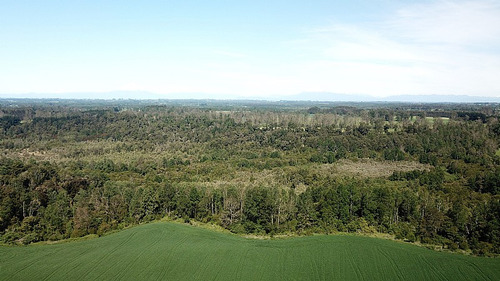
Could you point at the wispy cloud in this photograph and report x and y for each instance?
(471, 23)
(436, 48)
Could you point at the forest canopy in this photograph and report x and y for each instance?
(421, 172)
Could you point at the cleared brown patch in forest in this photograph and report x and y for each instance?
(35, 154)
(372, 168)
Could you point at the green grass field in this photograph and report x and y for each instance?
(172, 251)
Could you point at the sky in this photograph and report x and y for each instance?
(248, 49)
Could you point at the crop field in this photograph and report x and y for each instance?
(172, 251)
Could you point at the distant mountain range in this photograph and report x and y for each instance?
(399, 98)
(305, 96)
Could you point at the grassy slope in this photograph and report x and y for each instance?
(170, 251)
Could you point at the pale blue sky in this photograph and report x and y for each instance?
(258, 49)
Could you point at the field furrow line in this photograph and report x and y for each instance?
(172, 251)
(395, 266)
(478, 270)
(435, 270)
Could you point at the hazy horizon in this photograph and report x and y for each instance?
(305, 97)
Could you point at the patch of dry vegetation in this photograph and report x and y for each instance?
(372, 168)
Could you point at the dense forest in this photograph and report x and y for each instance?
(421, 172)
